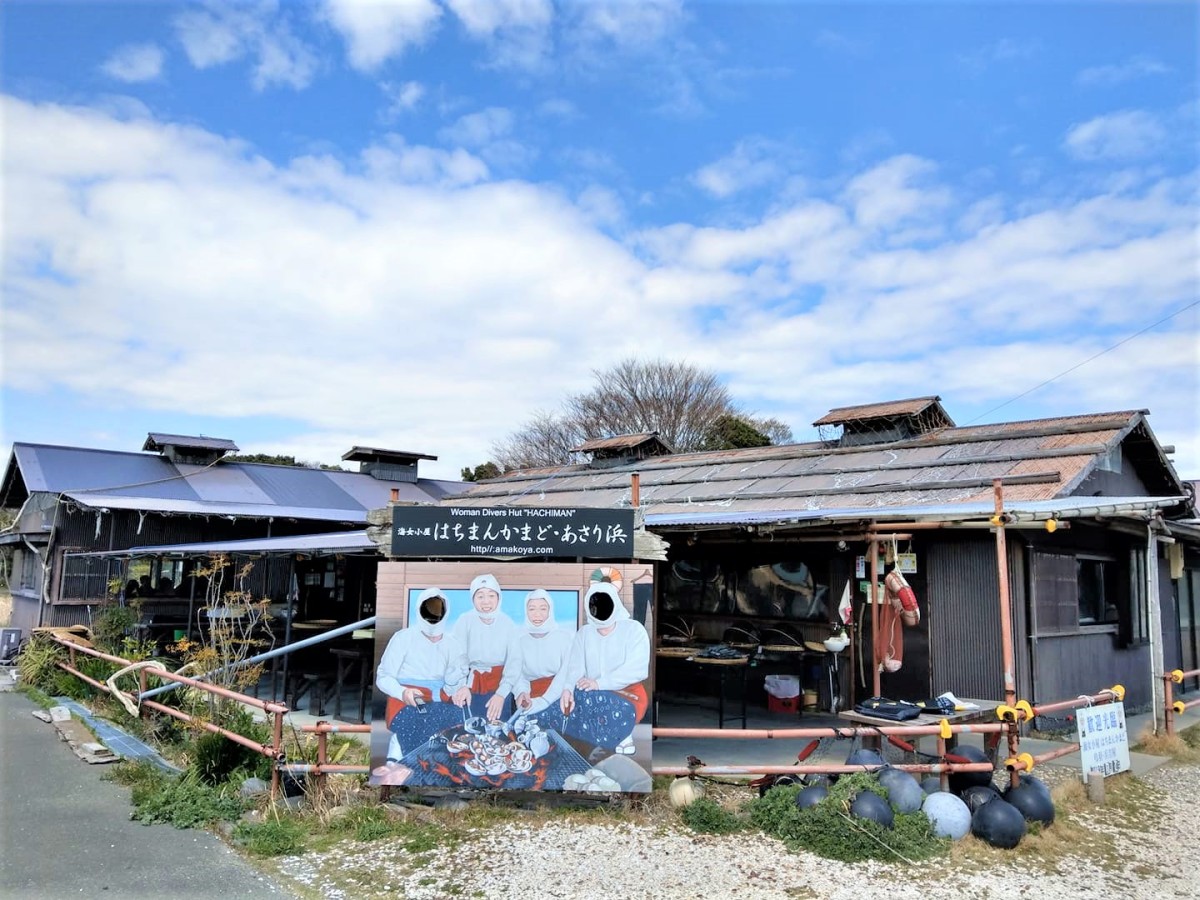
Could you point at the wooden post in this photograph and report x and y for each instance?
(635, 490)
(873, 549)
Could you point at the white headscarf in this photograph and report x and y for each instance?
(432, 629)
(619, 611)
(547, 626)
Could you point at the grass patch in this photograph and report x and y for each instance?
(707, 816)
(275, 837)
(828, 830)
(1183, 746)
(183, 801)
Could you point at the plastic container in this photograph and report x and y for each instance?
(782, 686)
(783, 704)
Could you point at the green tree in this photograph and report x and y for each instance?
(730, 432)
(481, 472)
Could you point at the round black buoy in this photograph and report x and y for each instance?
(998, 823)
(869, 805)
(978, 795)
(811, 796)
(960, 781)
(904, 791)
(1033, 800)
(864, 757)
(932, 784)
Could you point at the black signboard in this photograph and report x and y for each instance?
(424, 531)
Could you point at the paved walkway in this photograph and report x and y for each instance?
(64, 831)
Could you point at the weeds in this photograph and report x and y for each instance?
(828, 830)
(709, 817)
(275, 837)
(183, 801)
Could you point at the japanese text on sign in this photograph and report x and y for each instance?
(512, 531)
(1103, 740)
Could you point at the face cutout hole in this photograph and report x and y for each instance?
(600, 605)
(433, 610)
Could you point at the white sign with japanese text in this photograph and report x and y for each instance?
(1103, 740)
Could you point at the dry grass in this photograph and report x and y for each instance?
(1081, 829)
(5, 608)
(1183, 746)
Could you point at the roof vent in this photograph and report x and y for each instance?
(623, 448)
(386, 465)
(196, 450)
(885, 423)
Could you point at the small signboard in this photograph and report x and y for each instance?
(1103, 740)
(907, 563)
(456, 531)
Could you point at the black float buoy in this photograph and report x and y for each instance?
(811, 796)
(998, 823)
(864, 757)
(869, 805)
(1033, 800)
(979, 794)
(960, 781)
(932, 784)
(904, 791)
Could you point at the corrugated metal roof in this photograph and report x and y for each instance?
(156, 440)
(366, 454)
(621, 442)
(140, 481)
(333, 542)
(910, 407)
(1037, 461)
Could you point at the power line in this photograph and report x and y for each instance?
(1095, 356)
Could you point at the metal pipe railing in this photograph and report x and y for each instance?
(278, 651)
(1171, 706)
(277, 710)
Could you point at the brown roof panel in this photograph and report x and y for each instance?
(910, 407)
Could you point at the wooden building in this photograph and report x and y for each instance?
(88, 519)
(764, 541)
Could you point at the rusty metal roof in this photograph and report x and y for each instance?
(621, 442)
(1037, 460)
(156, 440)
(911, 407)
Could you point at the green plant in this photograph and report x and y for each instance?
(38, 663)
(184, 801)
(368, 823)
(709, 817)
(112, 625)
(215, 759)
(275, 837)
(829, 830)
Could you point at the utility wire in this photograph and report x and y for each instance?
(1084, 363)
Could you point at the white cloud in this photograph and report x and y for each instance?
(890, 193)
(375, 31)
(223, 32)
(1002, 51)
(516, 32)
(754, 162)
(838, 42)
(627, 24)
(479, 128)
(1118, 73)
(407, 300)
(134, 63)
(1125, 135)
(401, 98)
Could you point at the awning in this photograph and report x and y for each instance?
(316, 544)
(1019, 511)
(182, 507)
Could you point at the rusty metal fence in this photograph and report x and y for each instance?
(1171, 706)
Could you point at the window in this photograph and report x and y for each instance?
(28, 570)
(1096, 591)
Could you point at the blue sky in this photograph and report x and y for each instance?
(310, 225)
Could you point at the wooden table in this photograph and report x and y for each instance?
(986, 712)
(688, 656)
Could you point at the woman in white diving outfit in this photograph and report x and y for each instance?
(420, 670)
(534, 658)
(601, 692)
(484, 634)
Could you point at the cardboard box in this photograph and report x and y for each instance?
(783, 704)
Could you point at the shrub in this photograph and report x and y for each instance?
(828, 830)
(709, 817)
(38, 664)
(112, 625)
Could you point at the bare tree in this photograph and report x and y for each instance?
(678, 400)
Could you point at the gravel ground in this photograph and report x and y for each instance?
(557, 859)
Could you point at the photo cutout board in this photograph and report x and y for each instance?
(513, 676)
